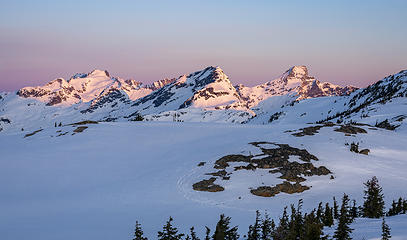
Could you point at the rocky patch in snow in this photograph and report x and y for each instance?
(277, 159)
(349, 129)
(207, 186)
(285, 187)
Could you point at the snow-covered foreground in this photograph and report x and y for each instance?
(96, 184)
(365, 228)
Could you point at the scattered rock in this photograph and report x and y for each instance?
(80, 129)
(62, 134)
(286, 187)
(30, 134)
(364, 151)
(386, 125)
(84, 122)
(5, 120)
(222, 163)
(207, 186)
(350, 129)
(220, 173)
(201, 164)
(308, 131)
(354, 147)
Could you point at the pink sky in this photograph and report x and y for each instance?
(340, 42)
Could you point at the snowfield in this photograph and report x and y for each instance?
(97, 183)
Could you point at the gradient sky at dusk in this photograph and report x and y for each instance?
(344, 42)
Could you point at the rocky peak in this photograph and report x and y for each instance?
(99, 73)
(160, 83)
(298, 72)
(297, 75)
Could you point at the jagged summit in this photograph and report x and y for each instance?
(295, 82)
(297, 72)
(87, 87)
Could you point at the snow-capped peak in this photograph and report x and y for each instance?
(296, 82)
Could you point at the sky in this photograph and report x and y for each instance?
(343, 42)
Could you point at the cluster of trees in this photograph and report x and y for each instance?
(399, 207)
(299, 225)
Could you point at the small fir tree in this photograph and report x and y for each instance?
(328, 216)
(320, 212)
(223, 231)
(385, 230)
(335, 210)
(373, 206)
(354, 210)
(207, 233)
(282, 229)
(193, 234)
(138, 232)
(267, 228)
(169, 232)
(296, 223)
(343, 230)
(312, 227)
(255, 229)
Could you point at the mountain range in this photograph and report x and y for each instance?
(207, 95)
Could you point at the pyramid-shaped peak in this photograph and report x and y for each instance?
(298, 71)
(99, 73)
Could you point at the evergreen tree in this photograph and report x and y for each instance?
(373, 207)
(267, 228)
(169, 232)
(296, 224)
(335, 213)
(328, 216)
(354, 210)
(193, 234)
(138, 232)
(392, 210)
(255, 230)
(281, 231)
(223, 231)
(320, 212)
(312, 227)
(343, 230)
(385, 230)
(207, 233)
(399, 207)
(273, 225)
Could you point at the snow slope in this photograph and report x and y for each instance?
(386, 99)
(96, 184)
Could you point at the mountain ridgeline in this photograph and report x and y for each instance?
(203, 96)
